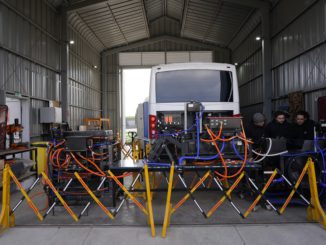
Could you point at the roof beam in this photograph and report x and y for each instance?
(145, 42)
(145, 17)
(116, 22)
(184, 16)
(166, 17)
(217, 13)
(83, 4)
(249, 3)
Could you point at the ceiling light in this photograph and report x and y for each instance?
(235, 63)
(258, 38)
(95, 67)
(71, 42)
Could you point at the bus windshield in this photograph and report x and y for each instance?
(193, 85)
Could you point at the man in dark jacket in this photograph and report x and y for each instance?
(278, 127)
(303, 127)
(255, 130)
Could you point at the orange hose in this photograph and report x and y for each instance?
(101, 174)
(221, 156)
(214, 138)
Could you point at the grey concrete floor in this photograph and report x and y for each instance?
(182, 235)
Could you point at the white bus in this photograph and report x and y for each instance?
(214, 85)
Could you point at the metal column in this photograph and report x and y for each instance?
(65, 91)
(266, 61)
(104, 86)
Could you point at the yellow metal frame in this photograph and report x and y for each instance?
(298, 182)
(148, 211)
(99, 203)
(48, 181)
(252, 206)
(314, 212)
(7, 218)
(228, 193)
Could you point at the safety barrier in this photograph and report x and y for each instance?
(314, 210)
(7, 218)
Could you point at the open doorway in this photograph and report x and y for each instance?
(135, 89)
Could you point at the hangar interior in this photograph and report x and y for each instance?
(70, 54)
(38, 63)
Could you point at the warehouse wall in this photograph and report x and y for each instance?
(29, 54)
(299, 48)
(298, 55)
(111, 73)
(84, 80)
(30, 37)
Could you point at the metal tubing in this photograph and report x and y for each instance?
(296, 191)
(128, 193)
(89, 203)
(47, 180)
(55, 203)
(227, 197)
(23, 197)
(125, 196)
(192, 196)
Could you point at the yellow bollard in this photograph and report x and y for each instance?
(168, 207)
(149, 202)
(7, 219)
(314, 212)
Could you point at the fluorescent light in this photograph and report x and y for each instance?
(71, 42)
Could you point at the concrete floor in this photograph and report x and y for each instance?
(296, 234)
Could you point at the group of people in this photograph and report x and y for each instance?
(302, 128)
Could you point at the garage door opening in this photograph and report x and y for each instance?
(135, 84)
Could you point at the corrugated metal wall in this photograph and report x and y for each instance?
(29, 54)
(299, 48)
(111, 76)
(247, 53)
(30, 62)
(84, 80)
(298, 55)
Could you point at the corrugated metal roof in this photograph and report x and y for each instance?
(114, 23)
(213, 21)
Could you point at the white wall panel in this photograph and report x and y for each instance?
(177, 57)
(153, 58)
(130, 59)
(201, 56)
